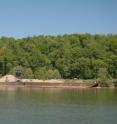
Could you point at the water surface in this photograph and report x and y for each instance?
(58, 106)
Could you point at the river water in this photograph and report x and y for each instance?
(58, 106)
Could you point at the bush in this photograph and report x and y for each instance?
(103, 77)
(115, 83)
(24, 72)
(44, 73)
(53, 74)
(40, 73)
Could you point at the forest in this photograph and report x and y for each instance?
(73, 56)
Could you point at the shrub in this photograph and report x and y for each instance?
(44, 73)
(115, 83)
(103, 77)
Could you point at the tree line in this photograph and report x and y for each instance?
(75, 56)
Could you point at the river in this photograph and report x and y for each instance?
(58, 106)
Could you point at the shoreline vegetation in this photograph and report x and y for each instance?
(71, 58)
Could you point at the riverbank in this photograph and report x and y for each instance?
(48, 84)
(10, 81)
(22, 87)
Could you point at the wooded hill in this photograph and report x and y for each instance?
(80, 56)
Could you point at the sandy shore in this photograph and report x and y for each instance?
(11, 82)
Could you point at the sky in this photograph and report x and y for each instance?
(22, 18)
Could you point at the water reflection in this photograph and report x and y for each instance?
(61, 96)
(58, 106)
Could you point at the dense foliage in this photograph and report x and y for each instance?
(81, 56)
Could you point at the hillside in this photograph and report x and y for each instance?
(79, 56)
